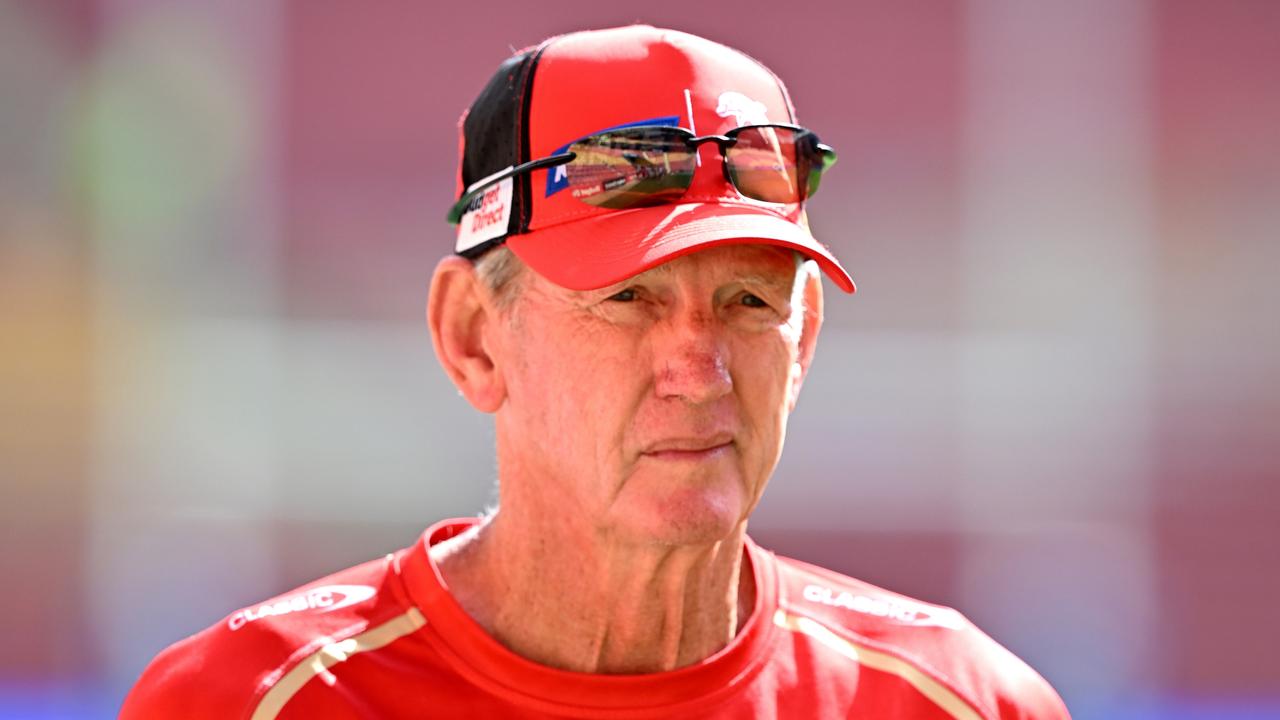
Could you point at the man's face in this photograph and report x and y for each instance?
(655, 408)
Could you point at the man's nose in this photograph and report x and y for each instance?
(692, 359)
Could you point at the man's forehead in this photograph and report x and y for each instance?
(737, 261)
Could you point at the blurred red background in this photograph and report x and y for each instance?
(1052, 404)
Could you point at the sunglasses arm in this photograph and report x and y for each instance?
(460, 207)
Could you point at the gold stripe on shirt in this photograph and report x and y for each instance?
(318, 663)
(943, 696)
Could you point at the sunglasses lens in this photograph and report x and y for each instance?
(776, 164)
(631, 167)
(763, 164)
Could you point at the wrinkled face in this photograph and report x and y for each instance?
(654, 408)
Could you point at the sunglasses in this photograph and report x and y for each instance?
(654, 164)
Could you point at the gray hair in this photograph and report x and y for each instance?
(500, 271)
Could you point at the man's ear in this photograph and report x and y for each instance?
(461, 315)
(808, 333)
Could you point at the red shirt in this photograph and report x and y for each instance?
(386, 640)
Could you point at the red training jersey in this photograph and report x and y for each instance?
(385, 639)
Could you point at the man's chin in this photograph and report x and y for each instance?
(687, 516)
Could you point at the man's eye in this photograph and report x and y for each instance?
(627, 295)
(753, 301)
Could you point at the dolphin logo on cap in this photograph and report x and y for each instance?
(744, 110)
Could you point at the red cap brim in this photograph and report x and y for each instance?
(597, 251)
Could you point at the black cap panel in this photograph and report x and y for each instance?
(496, 136)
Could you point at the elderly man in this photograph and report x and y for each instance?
(636, 299)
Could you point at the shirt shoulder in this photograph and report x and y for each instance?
(933, 647)
(225, 670)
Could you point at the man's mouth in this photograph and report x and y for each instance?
(690, 448)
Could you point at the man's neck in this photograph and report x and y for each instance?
(597, 604)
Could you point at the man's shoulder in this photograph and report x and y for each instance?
(224, 670)
(918, 642)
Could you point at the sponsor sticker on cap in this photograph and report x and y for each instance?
(487, 216)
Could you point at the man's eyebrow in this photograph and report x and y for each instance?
(623, 284)
(779, 280)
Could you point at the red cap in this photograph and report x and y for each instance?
(583, 83)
